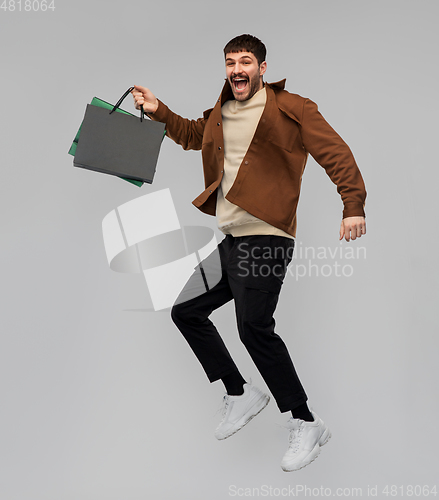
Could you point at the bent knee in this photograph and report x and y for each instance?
(178, 313)
(184, 313)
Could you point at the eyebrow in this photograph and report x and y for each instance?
(243, 57)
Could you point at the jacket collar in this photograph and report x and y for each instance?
(227, 95)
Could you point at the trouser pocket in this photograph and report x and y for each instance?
(259, 305)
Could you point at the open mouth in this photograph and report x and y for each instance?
(240, 83)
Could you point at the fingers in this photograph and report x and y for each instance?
(358, 229)
(138, 90)
(352, 228)
(137, 94)
(144, 97)
(138, 97)
(141, 89)
(341, 233)
(138, 101)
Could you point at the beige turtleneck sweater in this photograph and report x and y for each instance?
(240, 120)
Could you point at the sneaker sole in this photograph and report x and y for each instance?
(326, 436)
(266, 400)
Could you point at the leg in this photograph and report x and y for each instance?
(191, 316)
(256, 275)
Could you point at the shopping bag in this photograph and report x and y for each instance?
(119, 143)
(103, 104)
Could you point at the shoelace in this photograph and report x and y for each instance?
(296, 428)
(223, 406)
(226, 402)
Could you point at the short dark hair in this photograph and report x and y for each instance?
(247, 43)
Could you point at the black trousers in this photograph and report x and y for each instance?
(252, 272)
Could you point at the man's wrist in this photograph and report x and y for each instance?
(156, 107)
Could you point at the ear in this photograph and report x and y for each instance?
(262, 68)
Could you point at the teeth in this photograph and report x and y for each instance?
(236, 81)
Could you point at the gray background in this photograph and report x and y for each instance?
(98, 402)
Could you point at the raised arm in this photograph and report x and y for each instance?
(187, 133)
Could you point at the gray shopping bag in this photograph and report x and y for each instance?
(119, 144)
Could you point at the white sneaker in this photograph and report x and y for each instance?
(239, 410)
(305, 441)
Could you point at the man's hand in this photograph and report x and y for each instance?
(143, 96)
(352, 228)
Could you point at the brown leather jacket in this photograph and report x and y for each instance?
(270, 175)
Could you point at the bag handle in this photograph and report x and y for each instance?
(119, 102)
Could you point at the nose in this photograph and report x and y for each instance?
(237, 69)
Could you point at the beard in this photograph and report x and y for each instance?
(252, 86)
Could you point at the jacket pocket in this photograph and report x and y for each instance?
(285, 133)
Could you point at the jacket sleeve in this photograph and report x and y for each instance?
(333, 154)
(187, 133)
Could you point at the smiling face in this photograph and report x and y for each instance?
(244, 74)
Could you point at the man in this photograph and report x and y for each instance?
(255, 142)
